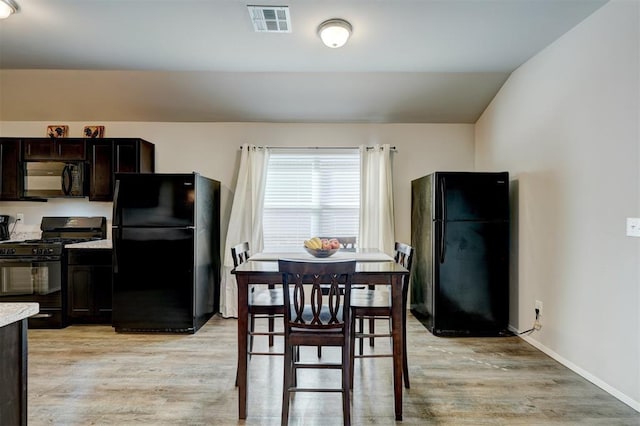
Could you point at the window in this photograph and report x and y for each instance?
(310, 193)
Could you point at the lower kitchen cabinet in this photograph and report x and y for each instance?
(13, 373)
(89, 288)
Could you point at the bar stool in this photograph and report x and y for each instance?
(372, 304)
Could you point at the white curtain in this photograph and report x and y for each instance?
(245, 223)
(377, 229)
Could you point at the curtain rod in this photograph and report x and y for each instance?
(393, 148)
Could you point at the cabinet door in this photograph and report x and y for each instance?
(70, 149)
(9, 169)
(126, 157)
(35, 149)
(101, 170)
(54, 149)
(89, 286)
(80, 294)
(107, 157)
(103, 292)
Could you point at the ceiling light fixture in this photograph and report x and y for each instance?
(7, 8)
(334, 32)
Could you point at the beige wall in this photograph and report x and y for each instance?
(566, 124)
(212, 149)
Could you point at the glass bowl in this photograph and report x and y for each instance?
(321, 252)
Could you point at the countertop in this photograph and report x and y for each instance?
(98, 244)
(13, 312)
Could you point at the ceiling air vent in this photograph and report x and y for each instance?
(270, 19)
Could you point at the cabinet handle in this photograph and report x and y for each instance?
(1, 166)
(443, 206)
(59, 149)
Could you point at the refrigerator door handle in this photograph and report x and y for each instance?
(116, 191)
(117, 227)
(115, 251)
(443, 199)
(443, 209)
(442, 239)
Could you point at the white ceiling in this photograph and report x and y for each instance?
(200, 60)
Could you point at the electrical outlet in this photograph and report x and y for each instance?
(633, 226)
(20, 217)
(537, 324)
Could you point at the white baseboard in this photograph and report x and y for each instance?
(596, 381)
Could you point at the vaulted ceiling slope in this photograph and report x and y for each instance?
(408, 61)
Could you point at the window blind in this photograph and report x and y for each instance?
(310, 193)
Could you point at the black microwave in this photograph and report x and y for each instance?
(49, 179)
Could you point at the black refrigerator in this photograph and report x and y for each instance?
(460, 234)
(166, 252)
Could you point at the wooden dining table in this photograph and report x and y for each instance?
(372, 267)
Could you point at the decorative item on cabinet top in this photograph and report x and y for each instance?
(93, 132)
(55, 131)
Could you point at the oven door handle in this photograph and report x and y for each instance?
(29, 259)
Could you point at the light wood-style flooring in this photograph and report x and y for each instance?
(90, 375)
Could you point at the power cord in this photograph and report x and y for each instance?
(536, 324)
(14, 227)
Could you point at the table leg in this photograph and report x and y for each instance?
(398, 347)
(243, 287)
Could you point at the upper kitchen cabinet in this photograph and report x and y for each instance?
(10, 169)
(110, 156)
(53, 149)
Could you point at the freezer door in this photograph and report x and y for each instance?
(471, 196)
(154, 200)
(153, 279)
(471, 278)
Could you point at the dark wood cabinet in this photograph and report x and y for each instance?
(13, 373)
(108, 157)
(134, 156)
(101, 170)
(89, 288)
(103, 157)
(54, 149)
(10, 184)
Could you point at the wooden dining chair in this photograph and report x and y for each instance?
(373, 303)
(265, 302)
(314, 320)
(348, 244)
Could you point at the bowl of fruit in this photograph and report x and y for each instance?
(321, 247)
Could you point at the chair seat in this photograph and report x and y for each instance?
(366, 298)
(324, 338)
(268, 297)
